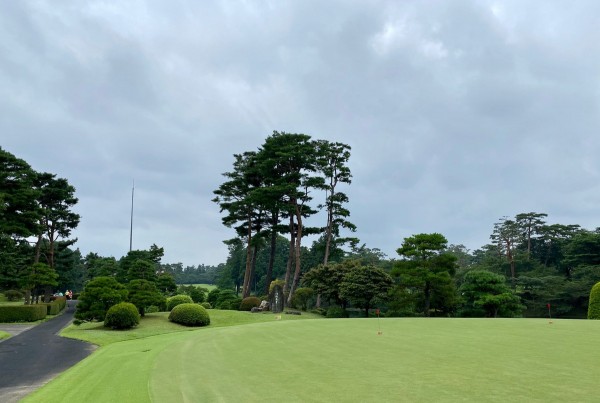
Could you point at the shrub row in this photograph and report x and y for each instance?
(23, 313)
(594, 304)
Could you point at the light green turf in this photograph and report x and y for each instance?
(4, 335)
(209, 287)
(345, 360)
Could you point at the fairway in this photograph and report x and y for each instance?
(346, 360)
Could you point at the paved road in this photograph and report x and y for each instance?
(35, 356)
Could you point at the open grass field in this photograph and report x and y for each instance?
(343, 360)
(209, 287)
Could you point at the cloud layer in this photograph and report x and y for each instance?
(458, 113)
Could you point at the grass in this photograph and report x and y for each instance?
(209, 287)
(4, 335)
(343, 360)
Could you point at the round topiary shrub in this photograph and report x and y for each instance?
(124, 315)
(594, 305)
(190, 315)
(248, 303)
(336, 312)
(173, 301)
(206, 305)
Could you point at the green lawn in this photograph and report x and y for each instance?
(4, 335)
(343, 360)
(209, 287)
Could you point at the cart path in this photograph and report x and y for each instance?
(37, 355)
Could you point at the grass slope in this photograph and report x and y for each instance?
(345, 360)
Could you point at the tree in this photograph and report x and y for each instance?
(154, 255)
(56, 199)
(332, 162)
(142, 269)
(98, 296)
(166, 284)
(39, 275)
(427, 270)
(143, 293)
(326, 280)
(530, 224)
(19, 210)
(362, 285)
(486, 294)
(506, 235)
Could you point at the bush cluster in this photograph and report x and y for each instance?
(337, 312)
(206, 305)
(175, 300)
(248, 303)
(123, 315)
(22, 313)
(190, 314)
(13, 295)
(594, 305)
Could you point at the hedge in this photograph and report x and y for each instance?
(594, 305)
(23, 313)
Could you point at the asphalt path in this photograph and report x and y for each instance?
(37, 355)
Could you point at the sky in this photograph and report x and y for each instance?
(458, 113)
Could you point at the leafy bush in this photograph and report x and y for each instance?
(189, 314)
(198, 294)
(302, 297)
(213, 295)
(53, 308)
(122, 316)
(143, 293)
(22, 313)
(98, 296)
(594, 305)
(337, 312)
(206, 305)
(13, 295)
(319, 311)
(175, 300)
(152, 309)
(248, 303)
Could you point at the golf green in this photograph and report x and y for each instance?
(346, 360)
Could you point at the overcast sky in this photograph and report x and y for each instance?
(458, 113)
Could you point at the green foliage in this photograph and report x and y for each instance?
(143, 293)
(22, 313)
(363, 285)
(594, 304)
(326, 280)
(337, 312)
(166, 284)
(175, 300)
(226, 296)
(248, 303)
(302, 297)
(190, 315)
(486, 294)
(98, 296)
(53, 308)
(319, 311)
(213, 295)
(206, 305)
(198, 294)
(142, 269)
(426, 273)
(39, 275)
(13, 295)
(123, 315)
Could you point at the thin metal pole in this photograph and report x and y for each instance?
(131, 221)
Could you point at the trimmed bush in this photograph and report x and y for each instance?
(13, 295)
(175, 300)
(22, 313)
(122, 316)
(152, 309)
(337, 312)
(248, 303)
(53, 308)
(206, 305)
(190, 315)
(594, 305)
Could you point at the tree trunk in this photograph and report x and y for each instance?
(427, 293)
(290, 261)
(297, 252)
(253, 270)
(248, 272)
(272, 252)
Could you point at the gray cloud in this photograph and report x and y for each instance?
(458, 113)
